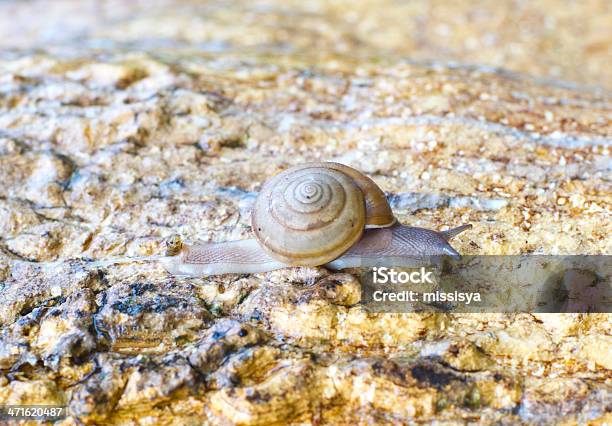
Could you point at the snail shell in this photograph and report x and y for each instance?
(311, 214)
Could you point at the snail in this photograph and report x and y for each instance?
(311, 215)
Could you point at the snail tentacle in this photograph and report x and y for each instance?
(452, 233)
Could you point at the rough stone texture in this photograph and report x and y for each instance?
(551, 39)
(131, 122)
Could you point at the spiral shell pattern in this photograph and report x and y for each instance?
(309, 215)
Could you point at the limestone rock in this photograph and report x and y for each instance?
(123, 124)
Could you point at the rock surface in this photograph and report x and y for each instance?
(153, 120)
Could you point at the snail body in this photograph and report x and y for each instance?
(316, 214)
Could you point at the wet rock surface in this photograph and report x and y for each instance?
(167, 120)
